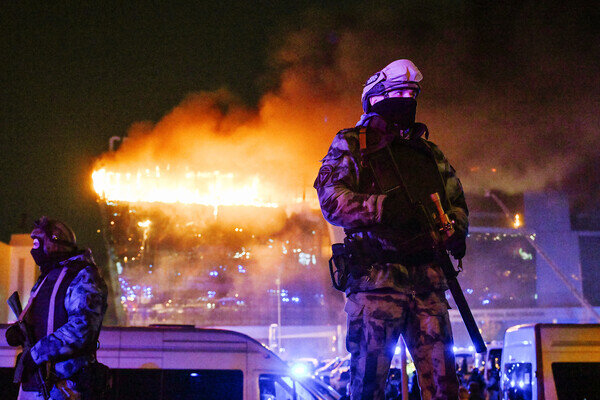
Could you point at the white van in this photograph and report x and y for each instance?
(183, 362)
(493, 359)
(551, 361)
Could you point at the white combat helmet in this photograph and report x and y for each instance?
(400, 74)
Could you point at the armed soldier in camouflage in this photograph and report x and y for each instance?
(394, 286)
(59, 327)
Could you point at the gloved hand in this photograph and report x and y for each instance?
(456, 245)
(14, 335)
(459, 224)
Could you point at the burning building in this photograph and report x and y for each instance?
(210, 219)
(213, 249)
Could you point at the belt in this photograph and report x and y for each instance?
(393, 257)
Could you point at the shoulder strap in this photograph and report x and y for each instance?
(61, 276)
(445, 198)
(419, 130)
(31, 298)
(362, 139)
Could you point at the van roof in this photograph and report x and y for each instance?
(192, 333)
(540, 325)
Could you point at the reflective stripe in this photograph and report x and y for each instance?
(50, 321)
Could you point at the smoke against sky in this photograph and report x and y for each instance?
(510, 85)
(511, 99)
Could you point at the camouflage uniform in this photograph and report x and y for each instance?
(389, 299)
(85, 303)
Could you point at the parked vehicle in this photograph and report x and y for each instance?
(493, 359)
(303, 366)
(340, 376)
(551, 361)
(324, 373)
(326, 391)
(175, 362)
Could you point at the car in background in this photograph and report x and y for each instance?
(303, 366)
(493, 360)
(324, 373)
(340, 375)
(318, 386)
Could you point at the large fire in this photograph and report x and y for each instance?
(212, 220)
(198, 155)
(166, 185)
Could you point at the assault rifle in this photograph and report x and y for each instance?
(14, 302)
(445, 228)
(415, 174)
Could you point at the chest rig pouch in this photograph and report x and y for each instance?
(408, 170)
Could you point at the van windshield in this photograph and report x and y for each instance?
(156, 384)
(576, 380)
(280, 387)
(517, 381)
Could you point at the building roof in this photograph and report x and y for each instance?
(20, 240)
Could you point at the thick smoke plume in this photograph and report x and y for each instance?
(512, 101)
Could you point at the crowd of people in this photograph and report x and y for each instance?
(473, 385)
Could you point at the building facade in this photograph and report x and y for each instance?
(18, 272)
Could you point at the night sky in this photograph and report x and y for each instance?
(513, 85)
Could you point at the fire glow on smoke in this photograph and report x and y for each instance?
(199, 154)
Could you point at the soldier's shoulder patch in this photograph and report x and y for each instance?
(324, 176)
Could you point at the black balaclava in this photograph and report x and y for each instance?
(399, 111)
(45, 261)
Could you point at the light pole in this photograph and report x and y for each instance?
(278, 283)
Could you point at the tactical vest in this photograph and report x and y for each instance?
(51, 293)
(409, 168)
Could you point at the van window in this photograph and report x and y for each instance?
(321, 389)
(495, 358)
(576, 380)
(275, 387)
(131, 383)
(517, 381)
(279, 387)
(156, 384)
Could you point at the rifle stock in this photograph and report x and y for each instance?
(14, 303)
(451, 273)
(461, 303)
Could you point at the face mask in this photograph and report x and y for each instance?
(39, 255)
(46, 262)
(397, 110)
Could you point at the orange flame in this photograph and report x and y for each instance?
(199, 155)
(517, 223)
(203, 188)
